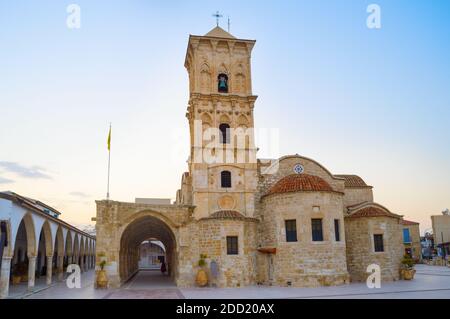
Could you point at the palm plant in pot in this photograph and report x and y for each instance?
(102, 279)
(202, 277)
(407, 270)
(16, 275)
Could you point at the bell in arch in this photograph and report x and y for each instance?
(223, 83)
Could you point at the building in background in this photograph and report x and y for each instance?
(152, 254)
(441, 233)
(427, 243)
(411, 240)
(37, 245)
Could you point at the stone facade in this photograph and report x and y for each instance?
(235, 209)
(360, 246)
(413, 247)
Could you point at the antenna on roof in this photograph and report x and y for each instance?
(229, 23)
(217, 15)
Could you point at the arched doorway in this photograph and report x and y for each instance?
(44, 258)
(24, 255)
(143, 229)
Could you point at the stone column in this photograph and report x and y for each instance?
(31, 272)
(4, 277)
(60, 267)
(86, 263)
(81, 263)
(49, 270)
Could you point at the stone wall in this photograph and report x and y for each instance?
(415, 245)
(234, 270)
(360, 247)
(305, 263)
(441, 228)
(357, 195)
(114, 218)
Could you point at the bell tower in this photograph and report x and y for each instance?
(222, 162)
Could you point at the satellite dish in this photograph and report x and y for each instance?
(446, 212)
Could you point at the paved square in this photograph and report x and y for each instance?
(431, 282)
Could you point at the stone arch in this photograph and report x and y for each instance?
(149, 213)
(86, 252)
(47, 234)
(239, 84)
(205, 78)
(225, 119)
(242, 121)
(30, 234)
(9, 248)
(82, 251)
(284, 166)
(222, 69)
(223, 47)
(76, 249)
(59, 242)
(206, 119)
(68, 244)
(141, 227)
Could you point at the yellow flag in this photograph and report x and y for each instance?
(109, 139)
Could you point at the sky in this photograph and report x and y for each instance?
(371, 102)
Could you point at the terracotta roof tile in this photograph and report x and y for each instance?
(372, 212)
(353, 181)
(300, 183)
(229, 214)
(408, 222)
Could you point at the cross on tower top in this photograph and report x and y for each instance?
(217, 15)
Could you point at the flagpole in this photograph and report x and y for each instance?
(109, 160)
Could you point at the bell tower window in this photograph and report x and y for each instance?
(225, 179)
(224, 133)
(222, 83)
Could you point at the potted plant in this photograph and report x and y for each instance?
(102, 279)
(16, 275)
(407, 271)
(202, 277)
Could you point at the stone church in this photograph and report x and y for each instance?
(281, 222)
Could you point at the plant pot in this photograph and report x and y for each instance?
(16, 279)
(202, 278)
(102, 279)
(408, 274)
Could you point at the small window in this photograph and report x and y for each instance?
(316, 227)
(224, 133)
(232, 245)
(378, 242)
(291, 230)
(225, 179)
(222, 83)
(406, 236)
(337, 234)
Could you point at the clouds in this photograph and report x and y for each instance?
(5, 181)
(80, 194)
(33, 172)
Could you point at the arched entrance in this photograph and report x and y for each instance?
(142, 229)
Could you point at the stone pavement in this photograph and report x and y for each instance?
(430, 282)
